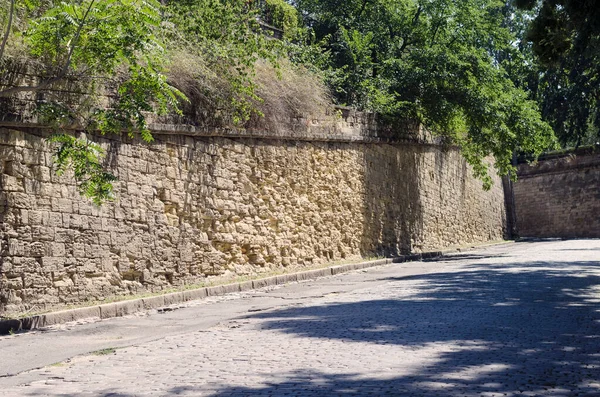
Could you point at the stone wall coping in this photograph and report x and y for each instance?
(316, 133)
(559, 165)
(127, 307)
(557, 154)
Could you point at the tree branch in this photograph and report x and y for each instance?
(8, 27)
(417, 15)
(406, 40)
(76, 39)
(63, 72)
(435, 31)
(405, 43)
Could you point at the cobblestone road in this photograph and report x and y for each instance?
(513, 320)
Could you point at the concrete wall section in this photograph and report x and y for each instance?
(559, 197)
(190, 209)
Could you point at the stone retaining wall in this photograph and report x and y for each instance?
(559, 196)
(194, 208)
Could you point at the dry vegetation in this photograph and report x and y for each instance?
(208, 92)
(285, 94)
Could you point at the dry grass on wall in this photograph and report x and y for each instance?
(208, 91)
(289, 92)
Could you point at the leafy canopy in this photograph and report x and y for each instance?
(565, 38)
(435, 61)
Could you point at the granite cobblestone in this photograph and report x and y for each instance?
(512, 320)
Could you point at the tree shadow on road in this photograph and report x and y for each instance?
(517, 331)
(530, 329)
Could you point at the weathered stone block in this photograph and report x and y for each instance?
(173, 298)
(108, 311)
(19, 200)
(52, 263)
(125, 308)
(11, 183)
(264, 282)
(62, 205)
(36, 249)
(195, 294)
(246, 286)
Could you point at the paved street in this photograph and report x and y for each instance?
(517, 319)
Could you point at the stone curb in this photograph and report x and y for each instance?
(123, 308)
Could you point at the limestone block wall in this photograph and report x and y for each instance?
(192, 208)
(559, 197)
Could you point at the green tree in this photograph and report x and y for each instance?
(96, 44)
(435, 61)
(565, 37)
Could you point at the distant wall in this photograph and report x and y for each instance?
(559, 197)
(190, 208)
